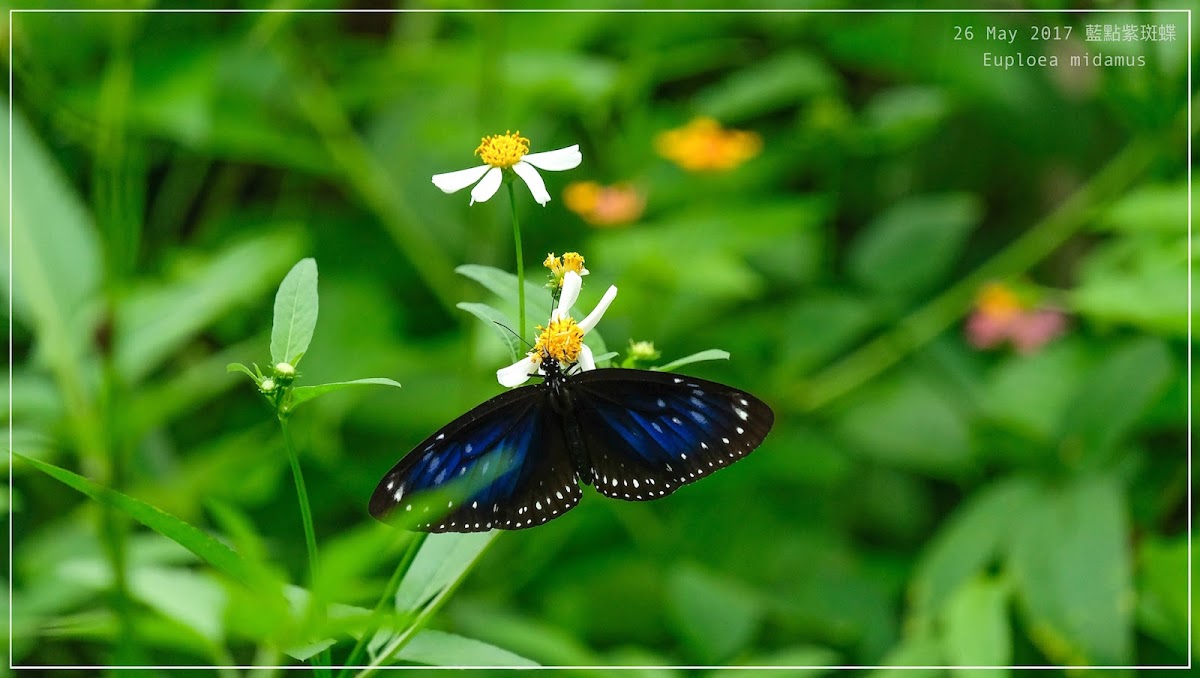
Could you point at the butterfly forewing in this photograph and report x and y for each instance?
(502, 465)
(649, 433)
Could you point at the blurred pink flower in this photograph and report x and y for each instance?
(999, 316)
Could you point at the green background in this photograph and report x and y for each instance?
(919, 501)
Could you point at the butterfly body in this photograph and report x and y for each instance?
(520, 457)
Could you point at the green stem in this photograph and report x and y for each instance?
(512, 199)
(396, 644)
(310, 536)
(389, 593)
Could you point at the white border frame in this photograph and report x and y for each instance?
(517, 11)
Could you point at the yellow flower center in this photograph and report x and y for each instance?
(998, 301)
(562, 341)
(571, 261)
(503, 150)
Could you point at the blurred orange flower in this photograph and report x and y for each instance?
(600, 205)
(703, 145)
(999, 316)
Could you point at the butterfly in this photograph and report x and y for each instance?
(519, 458)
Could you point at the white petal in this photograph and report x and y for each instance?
(457, 181)
(569, 295)
(594, 317)
(517, 373)
(488, 186)
(556, 161)
(534, 181)
(586, 360)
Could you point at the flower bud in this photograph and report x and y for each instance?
(267, 385)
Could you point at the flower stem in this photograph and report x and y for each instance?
(310, 536)
(389, 593)
(512, 199)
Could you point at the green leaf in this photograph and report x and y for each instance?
(1071, 566)
(920, 649)
(155, 320)
(295, 312)
(438, 648)
(1138, 279)
(1161, 208)
(1110, 401)
(716, 617)
(1029, 393)
(914, 244)
(898, 117)
(443, 560)
(550, 644)
(710, 354)
(909, 424)
(190, 597)
(504, 285)
(767, 85)
(1163, 605)
(303, 394)
(801, 656)
(975, 625)
(56, 255)
(238, 367)
(497, 322)
(974, 536)
(191, 538)
(609, 355)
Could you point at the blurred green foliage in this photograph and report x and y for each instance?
(920, 501)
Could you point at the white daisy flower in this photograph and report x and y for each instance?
(508, 151)
(562, 339)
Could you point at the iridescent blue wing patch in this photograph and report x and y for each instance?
(649, 433)
(503, 465)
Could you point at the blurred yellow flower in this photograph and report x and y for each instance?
(601, 205)
(703, 145)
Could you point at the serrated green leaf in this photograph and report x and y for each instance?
(303, 394)
(295, 312)
(709, 354)
(497, 321)
(191, 538)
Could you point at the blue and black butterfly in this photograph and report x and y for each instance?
(634, 434)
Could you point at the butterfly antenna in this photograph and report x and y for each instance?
(510, 331)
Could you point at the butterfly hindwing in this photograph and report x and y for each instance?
(501, 465)
(649, 433)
